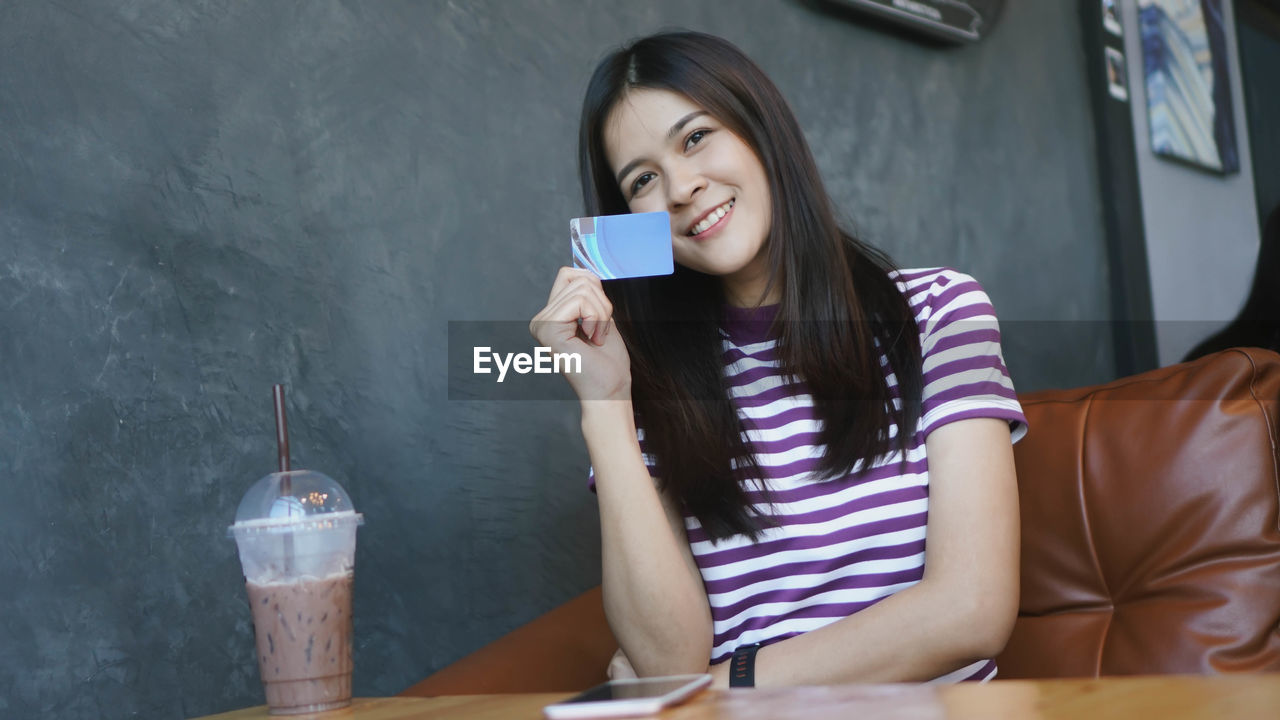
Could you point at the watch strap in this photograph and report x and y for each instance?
(742, 667)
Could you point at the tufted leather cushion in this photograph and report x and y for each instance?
(1151, 523)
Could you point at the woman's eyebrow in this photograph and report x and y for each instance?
(675, 130)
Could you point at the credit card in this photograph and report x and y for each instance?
(623, 246)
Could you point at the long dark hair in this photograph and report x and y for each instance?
(838, 301)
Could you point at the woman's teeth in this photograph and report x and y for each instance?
(711, 219)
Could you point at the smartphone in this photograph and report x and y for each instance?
(628, 698)
(623, 246)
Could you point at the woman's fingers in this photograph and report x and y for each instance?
(576, 307)
(584, 298)
(567, 276)
(578, 296)
(586, 309)
(569, 280)
(578, 312)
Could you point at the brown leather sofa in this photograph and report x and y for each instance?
(1150, 524)
(1150, 540)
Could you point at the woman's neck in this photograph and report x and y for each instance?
(750, 292)
(750, 287)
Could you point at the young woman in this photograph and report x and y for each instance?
(758, 501)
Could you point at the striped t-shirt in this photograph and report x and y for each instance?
(841, 545)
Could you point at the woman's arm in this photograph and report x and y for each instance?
(653, 594)
(964, 608)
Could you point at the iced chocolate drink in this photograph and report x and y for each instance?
(303, 629)
(296, 533)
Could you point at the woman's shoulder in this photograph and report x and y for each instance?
(918, 279)
(937, 286)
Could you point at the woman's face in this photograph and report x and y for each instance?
(669, 154)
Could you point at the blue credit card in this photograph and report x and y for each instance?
(623, 246)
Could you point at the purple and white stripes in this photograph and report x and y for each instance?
(842, 545)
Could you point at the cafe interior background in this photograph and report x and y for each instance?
(199, 200)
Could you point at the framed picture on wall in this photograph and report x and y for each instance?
(1117, 83)
(1185, 65)
(1111, 17)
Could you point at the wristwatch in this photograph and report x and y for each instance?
(742, 667)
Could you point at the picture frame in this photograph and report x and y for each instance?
(1111, 18)
(1188, 84)
(1117, 75)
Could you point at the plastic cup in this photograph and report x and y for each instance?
(296, 533)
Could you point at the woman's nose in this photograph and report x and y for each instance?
(685, 184)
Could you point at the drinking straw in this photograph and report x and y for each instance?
(282, 433)
(282, 455)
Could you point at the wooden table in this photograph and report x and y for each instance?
(1133, 698)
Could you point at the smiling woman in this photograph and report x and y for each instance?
(673, 166)
(787, 416)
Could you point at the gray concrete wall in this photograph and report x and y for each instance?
(198, 200)
(1202, 229)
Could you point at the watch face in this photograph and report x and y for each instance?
(955, 20)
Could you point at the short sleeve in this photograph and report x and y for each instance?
(964, 370)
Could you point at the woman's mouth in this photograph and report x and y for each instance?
(711, 222)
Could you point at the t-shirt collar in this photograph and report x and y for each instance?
(746, 326)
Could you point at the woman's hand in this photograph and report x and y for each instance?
(578, 318)
(620, 667)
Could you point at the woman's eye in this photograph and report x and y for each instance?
(640, 182)
(695, 138)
